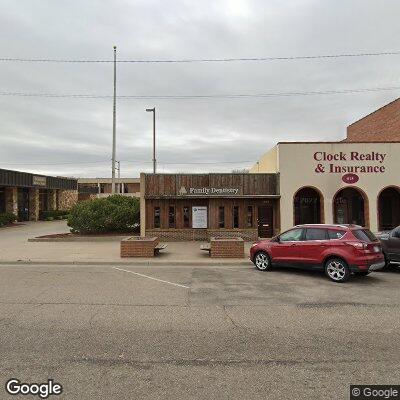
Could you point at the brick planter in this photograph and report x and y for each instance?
(138, 246)
(227, 247)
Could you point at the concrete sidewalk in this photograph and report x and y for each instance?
(15, 249)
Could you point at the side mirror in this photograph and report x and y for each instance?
(276, 239)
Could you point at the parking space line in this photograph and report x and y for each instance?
(154, 279)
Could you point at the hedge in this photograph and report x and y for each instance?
(7, 218)
(111, 214)
(53, 214)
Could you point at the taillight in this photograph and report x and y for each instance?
(358, 245)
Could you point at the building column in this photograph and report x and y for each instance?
(142, 205)
(52, 199)
(12, 200)
(33, 204)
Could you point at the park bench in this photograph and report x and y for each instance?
(158, 248)
(206, 247)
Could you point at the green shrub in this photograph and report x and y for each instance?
(50, 215)
(111, 214)
(7, 218)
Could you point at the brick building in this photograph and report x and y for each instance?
(91, 188)
(27, 195)
(200, 206)
(382, 125)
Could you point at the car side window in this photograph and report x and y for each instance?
(316, 234)
(335, 234)
(294, 235)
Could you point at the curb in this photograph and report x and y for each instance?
(143, 262)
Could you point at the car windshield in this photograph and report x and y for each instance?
(364, 235)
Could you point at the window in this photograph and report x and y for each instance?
(249, 218)
(294, 235)
(157, 217)
(186, 220)
(396, 233)
(171, 216)
(316, 234)
(335, 234)
(365, 235)
(102, 188)
(236, 216)
(221, 217)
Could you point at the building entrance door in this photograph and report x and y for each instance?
(23, 204)
(265, 221)
(2, 200)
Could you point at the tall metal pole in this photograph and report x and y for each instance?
(119, 176)
(114, 123)
(154, 140)
(153, 110)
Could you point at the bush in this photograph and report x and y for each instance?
(7, 218)
(111, 214)
(51, 215)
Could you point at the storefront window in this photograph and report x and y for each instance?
(171, 217)
(156, 217)
(249, 222)
(236, 216)
(221, 217)
(186, 220)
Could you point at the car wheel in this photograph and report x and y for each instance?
(337, 270)
(363, 273)
(262, 261)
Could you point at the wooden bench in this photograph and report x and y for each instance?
(206, 247)
(158, 248)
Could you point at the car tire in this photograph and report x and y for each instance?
(363, 273)
(337, 270)
(262, 261)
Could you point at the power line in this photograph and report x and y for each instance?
(130, 162)
(204, 60)
(205, 96)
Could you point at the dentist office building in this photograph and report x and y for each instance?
(354, 181)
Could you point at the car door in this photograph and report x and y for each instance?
(393, 245)
(287, 249)
(315, 242)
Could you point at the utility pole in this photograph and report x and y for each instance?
(119, 175)
(153, 110)
(114, 123)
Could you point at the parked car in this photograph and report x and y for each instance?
(390, 242)
(339, 250)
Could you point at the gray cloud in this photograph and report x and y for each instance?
(37, 133)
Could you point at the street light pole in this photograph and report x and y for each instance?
(153, 110)
(114, 123)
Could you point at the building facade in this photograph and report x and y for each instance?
(200, 206)
(91, 188)
(337, 182)
(27, 195)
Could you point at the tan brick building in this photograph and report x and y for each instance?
(91, 188)
(28, 195)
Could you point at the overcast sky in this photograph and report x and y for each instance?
(59, 135)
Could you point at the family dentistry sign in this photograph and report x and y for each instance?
(208, 191)
(353, 162)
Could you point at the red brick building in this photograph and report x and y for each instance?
(382, 125)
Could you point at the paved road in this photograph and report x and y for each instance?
(226, 333)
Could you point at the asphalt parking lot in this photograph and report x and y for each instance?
(197, 332)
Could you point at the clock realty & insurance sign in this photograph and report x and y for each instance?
(350, 164)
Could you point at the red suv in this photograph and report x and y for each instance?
(339, 250)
